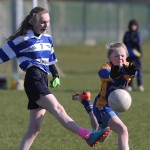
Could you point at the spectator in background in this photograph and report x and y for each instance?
(132, 40)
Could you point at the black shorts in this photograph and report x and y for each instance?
(36, 85)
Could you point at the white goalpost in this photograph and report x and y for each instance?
(17, 15)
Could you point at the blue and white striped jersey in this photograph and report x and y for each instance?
(30, 50)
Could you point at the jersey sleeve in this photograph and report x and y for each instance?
(11, 49)
(6, 52)
(104, 73)
(54, 71)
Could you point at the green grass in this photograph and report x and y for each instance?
(80, 65)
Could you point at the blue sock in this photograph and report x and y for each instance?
(87, 105)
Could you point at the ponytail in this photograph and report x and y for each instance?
(27, 22)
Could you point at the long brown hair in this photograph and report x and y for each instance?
(27, 22)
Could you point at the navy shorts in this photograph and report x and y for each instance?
(36, 85)
(103, 115)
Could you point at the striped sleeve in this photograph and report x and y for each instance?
(6, 53)
(11, 49)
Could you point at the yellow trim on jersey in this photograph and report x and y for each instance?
(102, 101)
(106, 66)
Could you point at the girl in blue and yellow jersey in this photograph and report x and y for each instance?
(116, 74)
(33, 48)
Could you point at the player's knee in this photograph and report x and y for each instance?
(124, 130)
(34, 129)
(37, 129)
(58, 109)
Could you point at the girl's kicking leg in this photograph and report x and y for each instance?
(50, 103)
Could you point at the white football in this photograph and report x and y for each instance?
(119, 100)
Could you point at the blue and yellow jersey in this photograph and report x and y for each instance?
(108, 84)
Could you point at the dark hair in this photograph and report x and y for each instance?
(131, 23)
(26, 23)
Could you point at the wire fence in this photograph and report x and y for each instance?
(94, 23)
(80, 22)
(84, 22)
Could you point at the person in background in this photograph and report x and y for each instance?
(132, 40)
(34, 50)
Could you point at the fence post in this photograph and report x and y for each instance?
(17, 15)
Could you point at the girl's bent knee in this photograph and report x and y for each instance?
(123, 130)
(35, 129)
(59, 109)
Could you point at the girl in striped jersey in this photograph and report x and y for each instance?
(34, 51)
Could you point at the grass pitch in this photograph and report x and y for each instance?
(80, 65)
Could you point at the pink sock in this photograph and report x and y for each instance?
(84, 133)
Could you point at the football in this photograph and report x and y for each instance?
(119, 100)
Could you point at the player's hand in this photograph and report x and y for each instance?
(131, 69)
(55, 82)
(129, 59)
(115, 72)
